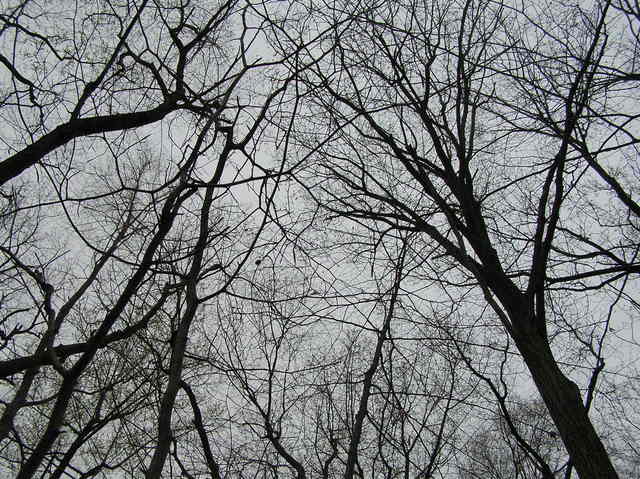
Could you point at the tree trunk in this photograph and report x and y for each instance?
(564, 402)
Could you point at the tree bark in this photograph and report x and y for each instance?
(564, 402)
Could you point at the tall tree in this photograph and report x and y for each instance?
(488, 127)
(114, 233)
(276, 239)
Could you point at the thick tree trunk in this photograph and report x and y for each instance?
(561, 396)
(564, 402)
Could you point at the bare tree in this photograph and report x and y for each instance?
(275, 239)
(474, 123)
(114, 241)
(492, 451)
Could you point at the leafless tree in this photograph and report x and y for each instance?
(275, 239)
(493, 129)
(114, 234)
(492, 451)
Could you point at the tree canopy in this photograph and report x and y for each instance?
(319, 239)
